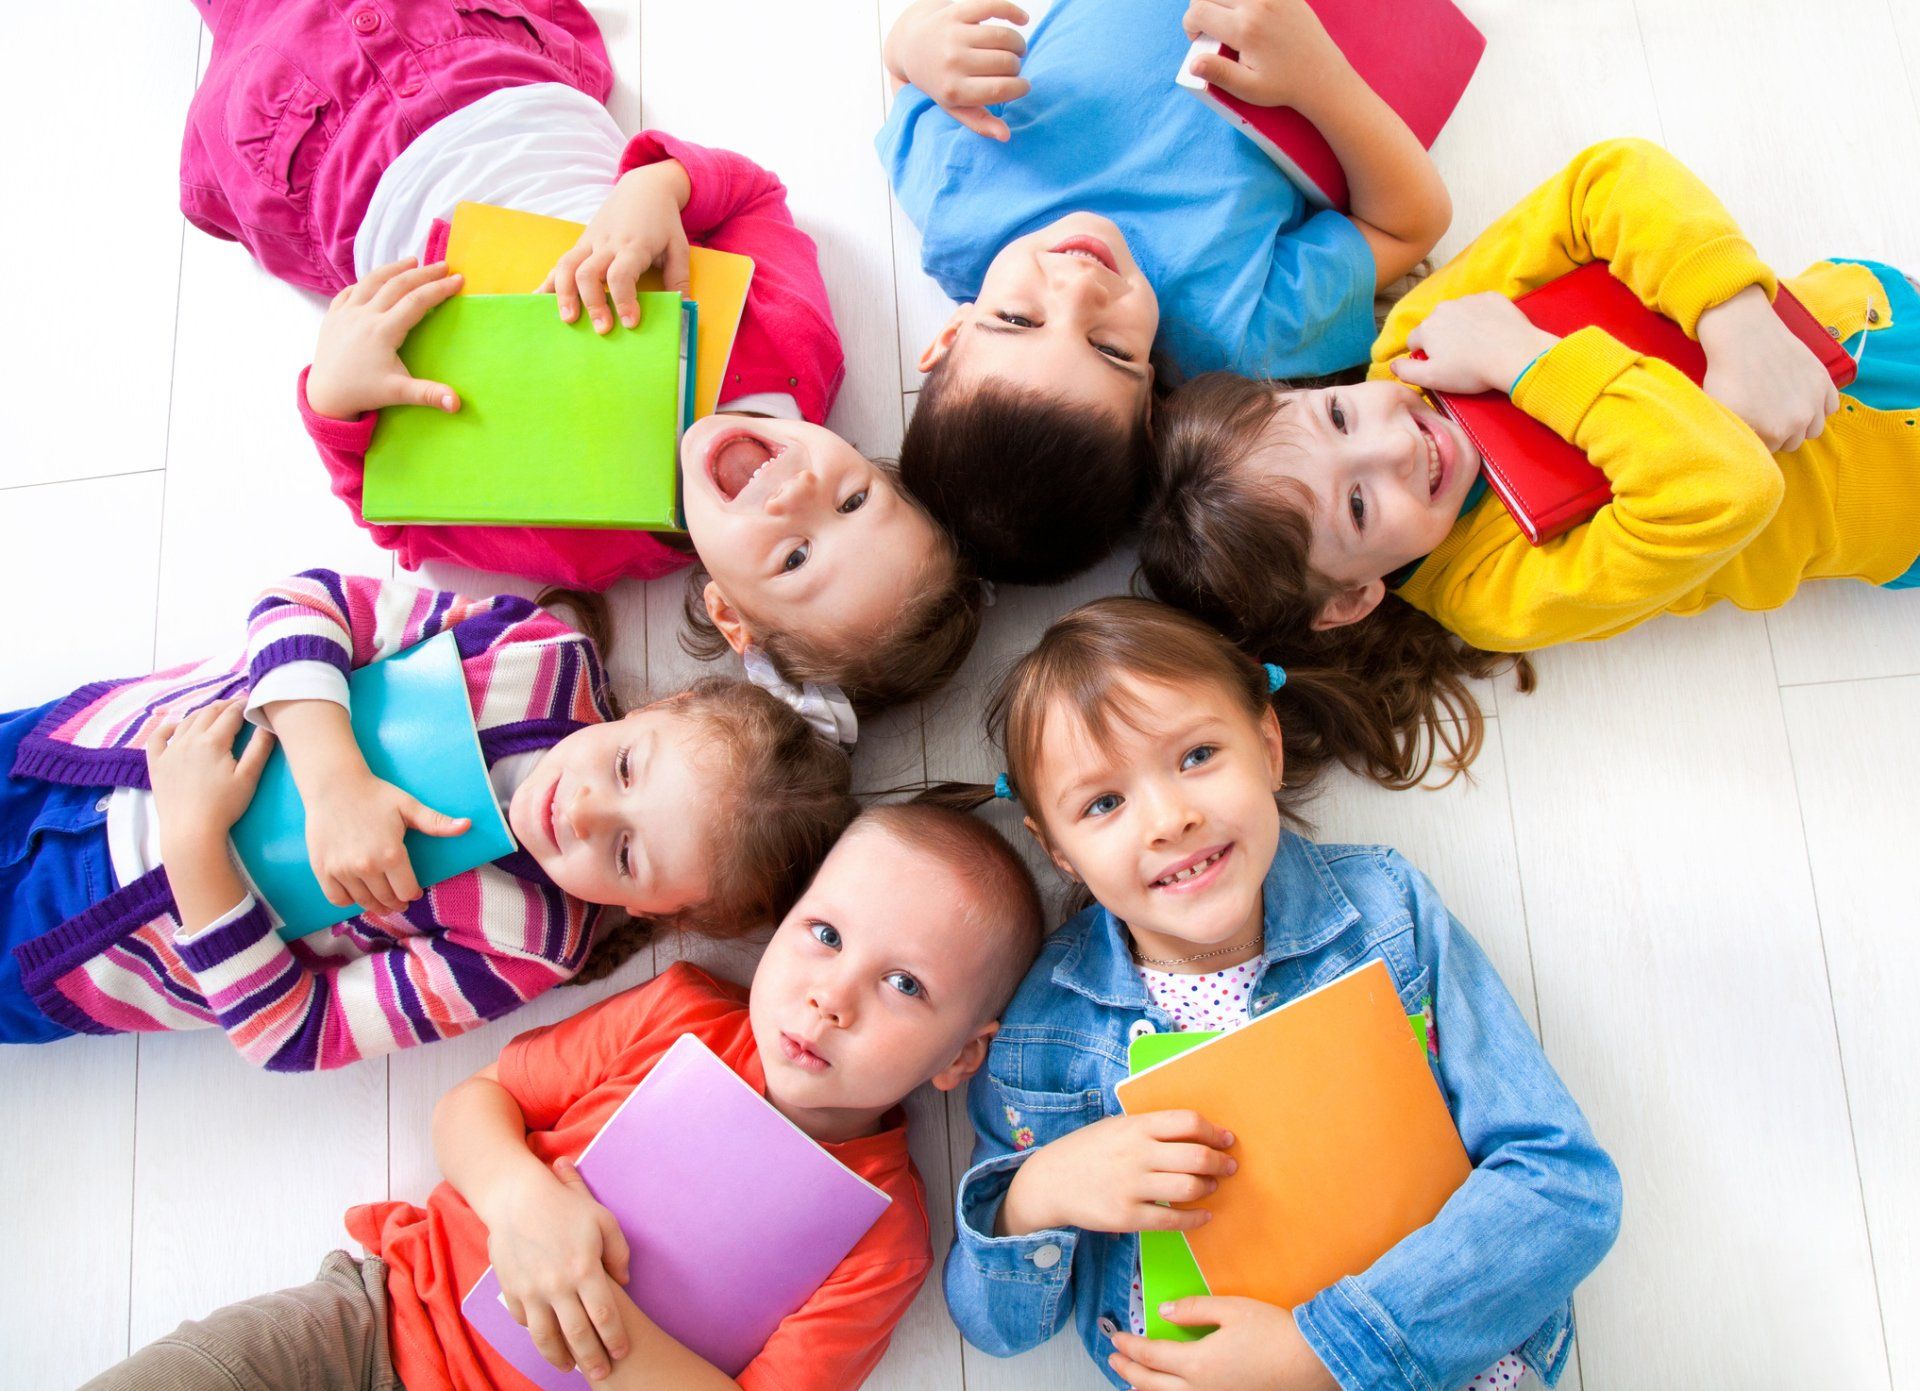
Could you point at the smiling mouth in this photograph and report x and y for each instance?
(1436, 471)
(737, 459)
(1089, 249)
(1196, 868)
(546, 814)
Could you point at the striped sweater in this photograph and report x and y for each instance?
(473, 948)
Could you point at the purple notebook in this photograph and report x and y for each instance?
(734, 1215)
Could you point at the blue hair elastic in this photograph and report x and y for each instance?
(1003, 789)
(1276, 676)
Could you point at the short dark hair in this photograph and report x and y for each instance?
(1033, 487)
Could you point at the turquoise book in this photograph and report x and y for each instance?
(414, 725)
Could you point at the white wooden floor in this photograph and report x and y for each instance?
(1684, 853)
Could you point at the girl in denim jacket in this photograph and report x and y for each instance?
(1146, 753)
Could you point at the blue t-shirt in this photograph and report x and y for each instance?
(1248, 277)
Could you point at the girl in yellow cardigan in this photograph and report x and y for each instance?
(1345, 529)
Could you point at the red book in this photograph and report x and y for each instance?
(1417, 54)
(1547, 484)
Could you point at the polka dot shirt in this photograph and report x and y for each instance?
(1218, 1000)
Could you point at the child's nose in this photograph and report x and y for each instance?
(795, 493)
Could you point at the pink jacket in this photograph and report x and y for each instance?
(787, 343)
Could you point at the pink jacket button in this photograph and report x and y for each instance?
(366, 21)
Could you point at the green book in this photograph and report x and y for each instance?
(1167, 1268)
(557, 426)
(414, 725)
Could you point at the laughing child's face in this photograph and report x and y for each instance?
(1168, 816)
(624, 813)
(1064, 309)
(799, 531)
(1385, 475)
(882, 977)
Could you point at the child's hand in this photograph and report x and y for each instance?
(1286, 58)
(559, 1257)
(356, 840)
(356, 364)
(1477, 343)
(948, 50)
(637, 228)
(1114, 1176)
(1758, 370)
(199, 787)
(1256, 1347)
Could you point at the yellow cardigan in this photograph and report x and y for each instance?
(1700, 512)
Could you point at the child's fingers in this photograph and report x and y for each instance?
(987, 91)
(978, 11)
(157, 736)
(1178, 1188)
(1138, 1374)
(421, 299)
(1414, 371)
(254, 757)
(623, 280)
(335, 890)
(990, 62)
(998, 36)
(1156, 1218)
(583, 1342)
(1215, 20)
(603, 1311)
(1205, 1160)
(366, 288)
(590, 279)
(676, 266)
(434, 823)
(1187, 1125)
(403, 284)
(545, 1332)
(418, 391)
(561, 281)
(1228, 76)
(981, 122)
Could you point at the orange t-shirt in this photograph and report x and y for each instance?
(568, 1079)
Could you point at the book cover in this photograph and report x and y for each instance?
(1167, 1269)
(1418, 55)
(557, 426)
(1548, 484)
(503, 251)
(734, 1216)
(414, 725)
(1344, 1141)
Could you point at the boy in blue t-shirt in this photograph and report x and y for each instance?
(1087, 213)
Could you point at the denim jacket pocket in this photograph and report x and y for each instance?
(276, 122)
(1035, 1118)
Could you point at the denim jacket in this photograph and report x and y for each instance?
(1491, 1273)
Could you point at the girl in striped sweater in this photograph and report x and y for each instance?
(121, 910)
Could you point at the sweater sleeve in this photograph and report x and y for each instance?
(1627, 202)
(578, 557)
(453, 961)
(1692, 486)
(787, 341)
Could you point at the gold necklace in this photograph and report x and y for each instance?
(1197, 956)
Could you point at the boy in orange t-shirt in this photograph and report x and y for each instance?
(889, 972)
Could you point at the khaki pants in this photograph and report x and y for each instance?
(328, 1335)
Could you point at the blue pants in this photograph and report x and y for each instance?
(53, 865)
(1889, 377)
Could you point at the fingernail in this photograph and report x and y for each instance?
(446, 403)
(1226, 1139)
(1233, 1165)
(1166, 1311)
(629, 319)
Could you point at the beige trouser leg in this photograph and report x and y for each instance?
(328, 1335)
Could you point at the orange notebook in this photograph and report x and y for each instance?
(503, 251)
(1344, 1141)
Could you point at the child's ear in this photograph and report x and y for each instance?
(967, 1062)
(1059, 861)
(1350, 605)
(729, 620)
(1275, 745)
(936, 352)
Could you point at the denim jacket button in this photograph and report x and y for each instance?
(1140, 1028)
(366, 21)
(1046, 1257)
(1108, 1326)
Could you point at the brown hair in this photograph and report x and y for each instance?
(1387, 695)
(1034, 487)
(1005, 901)
(784, 795)
(912, 656)
(1082, 659)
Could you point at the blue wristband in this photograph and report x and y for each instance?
(1524, 370)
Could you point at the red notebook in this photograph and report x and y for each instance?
(1547, 484)
(1417, 54)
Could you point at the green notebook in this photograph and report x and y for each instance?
(1167, 1267)
(415, 727)
(557, 425)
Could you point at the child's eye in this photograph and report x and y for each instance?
(904, 983)
(623, 765)
(1357, 509)
(1017, 320)
(1103, 805)
(1199, 754)
(623, 858)
(826, 934)
(1121, 353)
(796, 557)
(1336, 414)
(856, 502)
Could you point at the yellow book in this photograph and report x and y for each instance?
(502, 251)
